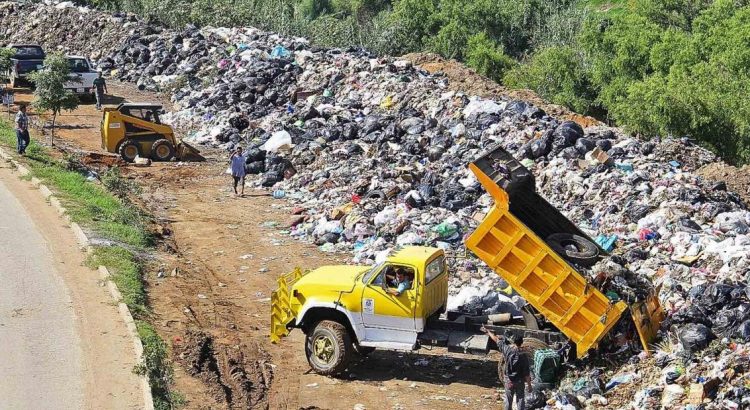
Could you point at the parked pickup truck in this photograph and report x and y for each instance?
(84, 76)
(27, 59)
(351, 309)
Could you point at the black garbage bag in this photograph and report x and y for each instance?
(571, 399)
(255, 167)
(647, 148)
(435, 152)
(616, 152)
(571, 153)
(637, 212)
(535, 400)
(270, 178)
(373, 123)
(585, 145)
(349, 131)
(688, 225)
(717, 296)
(726, 321)
(329, 237)
(525, 152)
(691, 314)
(255, 154)
(743, 331)
(604, 145)
(695, 337)
(565, 135)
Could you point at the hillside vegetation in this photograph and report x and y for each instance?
(655, 67)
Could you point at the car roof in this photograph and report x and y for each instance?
(24, 45)
(81, 57)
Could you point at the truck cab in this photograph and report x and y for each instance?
(347, 308)
(82, 76)
(27, 59)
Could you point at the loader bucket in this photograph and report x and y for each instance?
(186, 152)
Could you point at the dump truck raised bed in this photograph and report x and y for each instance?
(352, 309)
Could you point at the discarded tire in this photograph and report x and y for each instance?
(574, 248)
(128, 150)
(328, 348)
(162, 150)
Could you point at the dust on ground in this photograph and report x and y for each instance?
(210, 284)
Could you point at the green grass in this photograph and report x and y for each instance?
(126, 272)
(88, 204)
(115, 220)
(157, 367)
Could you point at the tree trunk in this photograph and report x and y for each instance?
(54, 117)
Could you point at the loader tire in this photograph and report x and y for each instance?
(162, 150)
(529, 347)
(328, 348)
(128, 150)
(574, 248)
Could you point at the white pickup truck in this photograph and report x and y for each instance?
(84, 74)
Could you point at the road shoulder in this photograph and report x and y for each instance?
(107, 347)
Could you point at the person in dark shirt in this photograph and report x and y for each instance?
(514, 377)
(22, 130)
(100, 89)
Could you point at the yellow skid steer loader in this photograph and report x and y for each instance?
(132, 130)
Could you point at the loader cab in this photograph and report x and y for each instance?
(145, 112)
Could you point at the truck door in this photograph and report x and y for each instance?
(387, 317)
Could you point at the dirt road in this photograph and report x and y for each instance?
(63, 342)
(221, 256)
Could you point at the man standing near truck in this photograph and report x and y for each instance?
(100, 88)
(22, 130)
(517, 369)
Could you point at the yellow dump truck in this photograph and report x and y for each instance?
(345, 310)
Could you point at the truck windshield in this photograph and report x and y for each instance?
(78, 65)
(29, 51)
(367, 276)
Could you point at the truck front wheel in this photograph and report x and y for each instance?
(328, 348)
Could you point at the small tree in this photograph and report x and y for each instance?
(6, 54)
(50, 93)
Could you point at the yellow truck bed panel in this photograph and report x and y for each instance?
(544, 279)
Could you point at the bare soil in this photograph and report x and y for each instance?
(737, 179)
(210, 285)
(464, 79)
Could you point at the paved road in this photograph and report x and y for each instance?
(41, 354)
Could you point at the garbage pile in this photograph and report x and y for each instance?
(49, 24)
(372, 153)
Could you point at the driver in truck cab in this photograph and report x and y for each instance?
(401, 283)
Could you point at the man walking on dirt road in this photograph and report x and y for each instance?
(22, 130)
(100, 89)
(517, 369)
(237, 165)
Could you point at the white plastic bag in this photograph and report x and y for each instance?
(278, 139)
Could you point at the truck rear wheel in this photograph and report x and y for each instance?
(128, 150)
(529, 347)
(328, 348)
(162, 150)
